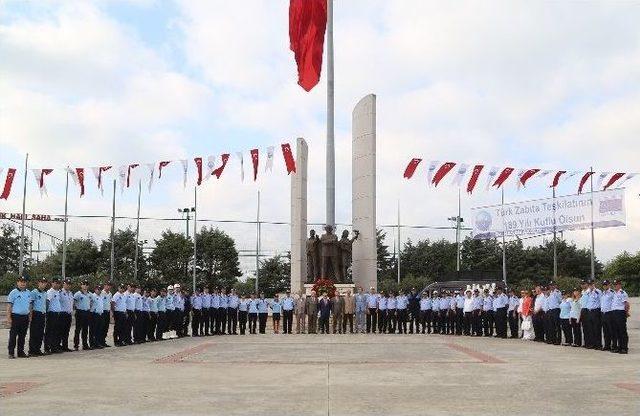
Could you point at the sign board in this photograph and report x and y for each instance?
(29, 217)
(542, 216)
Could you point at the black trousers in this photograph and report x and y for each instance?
(586, 333)
(120, 326)
(477, 322)
(232, 320)
(435, 321)
(52, 332)
(18, 332)
(242, 319)
(36, 331)
(106, 320)
(487, 323)
(566, 330)
(287, 321)
(371, 320)
(347, 318)
(619, 328)
(444, 322)
(262, 318)
(401, 319)
(606, 329)
(555, 327)
(178, 322)
(324, 324)
(576, 330)
(425, 321)
(196, 317)
(169, 317)
(161, 324)
(391, 321)
(501, 322)
(204, 321)
(468, 320)
(414, 320)
(65, 330)
(213, 320)
(451, 317)
(152, 326)
(513, 323)
(383, 316)
(186, 316)
(95, 330)
(221, 323)
(595, 328)
(459, 321)
(538, 325)
(140, 327)
(131, 323)
(253, 319)
(83, 319)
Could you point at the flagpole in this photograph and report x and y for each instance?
(331, 153)
(593, 266)
(24, 206)
(135, 259)
(458, 236)
(258, 242)
(398, 258)
(504, 246)
(195, 235)
(64, 227)
(113, 231)
(555, 249)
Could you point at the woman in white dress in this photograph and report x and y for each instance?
(525, 313)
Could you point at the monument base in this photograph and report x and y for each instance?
(340, 287)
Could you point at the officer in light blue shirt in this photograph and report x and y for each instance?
(487, 314)
(19, 307)
(119, 305)
(360, 310)
(500, 304)
(372, 311)
(288, 304)
(161, 325)
(222, 311)
(95, 324)
(52, 330)
(383, 302)
(38, 318)
(215, 304)
(435, 312)
(262, 313)
(595, 317)
(253, 314)
(106, 297)
(606, 316)
(425, 312)
(82, 305)
(553, 313)
(565, 316)
(243, 313)
(402, 303)
(205, 324)
(232, 313)
(620, 311)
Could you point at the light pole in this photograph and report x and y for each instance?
(186, 212)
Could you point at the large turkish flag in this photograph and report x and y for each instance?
(307, 24)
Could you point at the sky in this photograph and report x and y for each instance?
(551, 85)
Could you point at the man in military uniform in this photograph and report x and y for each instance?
(311, 306)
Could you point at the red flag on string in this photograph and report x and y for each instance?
(504, 175)
(411, 167)
(198, 161)
(556, 178)
(8, 183)
(307, 24)
(218, 171)
(162, 165)
(254, 160)
(442, 171)
(129, 169)
(584, 180)
(528, 174)
(288, 158)
(80, 176)
(613, 179)
(475, 174)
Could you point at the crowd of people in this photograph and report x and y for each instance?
(583, 317)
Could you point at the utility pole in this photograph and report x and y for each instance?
(187, 213)
(458, 221)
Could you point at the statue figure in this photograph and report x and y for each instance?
(330, 255)
(346, 248)
(313, 257)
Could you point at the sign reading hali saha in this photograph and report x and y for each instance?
(29, 217)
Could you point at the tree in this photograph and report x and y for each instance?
(217, 258)
(124, 251)
(170, 259)
(10, 250)
(82, 259)
(625, 267)
(275, 275)
(386, 262)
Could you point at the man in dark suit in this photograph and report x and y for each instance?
(324, 306)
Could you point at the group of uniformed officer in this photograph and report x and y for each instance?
(142, 315)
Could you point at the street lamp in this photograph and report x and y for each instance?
(187, 212)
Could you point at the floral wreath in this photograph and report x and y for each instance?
(324, 285)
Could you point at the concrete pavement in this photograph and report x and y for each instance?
(325, 375)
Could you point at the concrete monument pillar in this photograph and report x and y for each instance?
(363, 188)
(299, 218)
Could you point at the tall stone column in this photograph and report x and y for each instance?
(299, 218)
(363, 188)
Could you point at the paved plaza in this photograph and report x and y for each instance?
(325, 375)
